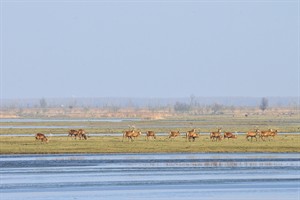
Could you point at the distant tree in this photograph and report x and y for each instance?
(181, 107)
(192, 101)
(43, 103)
(216, 108)
(264, 104)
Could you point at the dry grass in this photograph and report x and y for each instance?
(28, 145)
(183, 123)
(203, 123)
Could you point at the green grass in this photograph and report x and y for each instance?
(203, 123)
(114, 144)
(28, 145)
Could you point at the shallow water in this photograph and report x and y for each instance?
(68, 120)
(151, 176)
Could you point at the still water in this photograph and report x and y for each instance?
(151, 176)
(68, 120)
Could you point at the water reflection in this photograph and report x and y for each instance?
(137, 176)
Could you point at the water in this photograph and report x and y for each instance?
(44, 127)
(25, 120)
(151, 176)
(68, 120)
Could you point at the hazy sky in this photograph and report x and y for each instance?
(149, 48)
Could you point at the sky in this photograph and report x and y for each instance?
(94, 48)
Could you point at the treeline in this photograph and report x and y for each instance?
(179, 104)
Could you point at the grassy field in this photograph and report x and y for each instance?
(113, 144)
(202, 123)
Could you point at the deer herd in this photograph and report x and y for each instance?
(190, 136)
